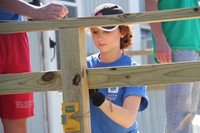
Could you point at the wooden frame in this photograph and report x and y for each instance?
(75, 79)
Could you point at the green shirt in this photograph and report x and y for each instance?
(184, 34)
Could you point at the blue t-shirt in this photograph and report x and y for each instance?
(7, 15)
(100, 123)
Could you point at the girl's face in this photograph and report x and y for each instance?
(106, 41)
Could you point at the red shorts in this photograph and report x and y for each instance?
(15, 58)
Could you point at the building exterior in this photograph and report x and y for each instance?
(45, 57)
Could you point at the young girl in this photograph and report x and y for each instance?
(114, 110)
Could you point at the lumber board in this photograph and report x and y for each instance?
(144, 75)
(74, 77)
(151, 75)
(30, 82)
(139, 52)
(129, 18)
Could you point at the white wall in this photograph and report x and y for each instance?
(38, 123)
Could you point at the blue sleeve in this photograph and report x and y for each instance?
(139, 91)
(89, 62)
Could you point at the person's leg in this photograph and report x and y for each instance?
(178, 108)
(14, 125)
(195, 96)
(196, 93)
(179, 100)
(15, 108)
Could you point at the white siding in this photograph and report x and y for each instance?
(150, 121)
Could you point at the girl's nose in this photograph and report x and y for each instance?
(100, 36)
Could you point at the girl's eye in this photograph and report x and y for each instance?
(107, 32)
(94, 32)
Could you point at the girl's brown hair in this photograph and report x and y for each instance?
(127, 40)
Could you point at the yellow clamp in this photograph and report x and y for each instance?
(69, 109)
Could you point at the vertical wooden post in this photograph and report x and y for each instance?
(74, 77)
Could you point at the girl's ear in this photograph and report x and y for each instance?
(122, 35)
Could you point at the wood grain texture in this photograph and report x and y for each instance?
(130, 18)
(30, 82)
(74, 77)
(144, 75)
(139, 52)
(151, 75)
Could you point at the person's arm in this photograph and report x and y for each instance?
(163, 50)
(125, 115)
(49, 11)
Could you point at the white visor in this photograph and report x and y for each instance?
(109, 28)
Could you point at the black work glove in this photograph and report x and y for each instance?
(92, 92)
(96, 97)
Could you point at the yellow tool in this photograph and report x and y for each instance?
(69, 109)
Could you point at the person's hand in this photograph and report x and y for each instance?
(96, 97)
(163, 52)
(93, 92)
(50, 11)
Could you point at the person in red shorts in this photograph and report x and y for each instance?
(15, 58)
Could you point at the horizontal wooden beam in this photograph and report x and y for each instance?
(144, 75)
(156, 87)
(139, 52)
(130, 18)
(30, 82)
(104, 77)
